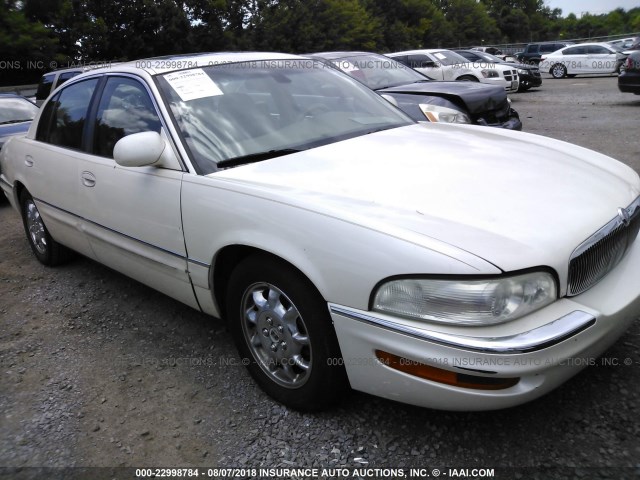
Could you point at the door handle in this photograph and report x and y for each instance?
(28, 160)
(88, 179)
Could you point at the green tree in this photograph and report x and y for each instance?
(408, 24)
(26, 46)
(470, 21)
(307, 26)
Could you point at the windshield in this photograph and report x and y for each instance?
(252, 109)
(447, 57)
(490, 58)
(15, 109)
(377, 72)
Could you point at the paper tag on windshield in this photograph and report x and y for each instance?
(192, 84)
(440, 56)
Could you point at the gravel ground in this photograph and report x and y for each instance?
(101, 371)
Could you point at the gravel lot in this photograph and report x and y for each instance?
(100, 371)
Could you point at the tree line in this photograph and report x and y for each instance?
(37, 34)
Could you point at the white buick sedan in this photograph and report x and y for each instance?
(438, 265)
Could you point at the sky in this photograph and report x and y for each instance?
(595, 7)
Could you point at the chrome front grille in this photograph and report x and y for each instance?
(601, 252)
(510, 75)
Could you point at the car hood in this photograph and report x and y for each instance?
(521, 66)
(14, 128)
(477, 97)
(513, 199)
(11, 129)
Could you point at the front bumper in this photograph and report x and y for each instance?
(509, 86)
(530, 80)
(511, 122)
(541, 350)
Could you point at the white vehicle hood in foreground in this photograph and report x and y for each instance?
(513, 199)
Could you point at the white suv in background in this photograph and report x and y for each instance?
(440, 64)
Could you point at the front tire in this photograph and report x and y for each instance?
(283, 331)
(467, 78)
(46, 249)
(558, 71)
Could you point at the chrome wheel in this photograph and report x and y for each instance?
(35, 227)
(558, 71)
(276, 335)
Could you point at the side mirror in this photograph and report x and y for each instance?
(139, 149)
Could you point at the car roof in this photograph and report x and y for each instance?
(421, 50)
(602, 44)
(340, 54)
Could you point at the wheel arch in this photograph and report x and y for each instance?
(467, 77)
(226, 260)
(18, 188)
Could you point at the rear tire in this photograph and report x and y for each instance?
(284, 333)
(558, 71)
(46, 249)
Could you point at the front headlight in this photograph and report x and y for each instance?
(435, 113)
(490, 73)
(466, 302)
(521, 71)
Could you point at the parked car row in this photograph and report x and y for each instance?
(446, 266)
(423, 99)
(528, 75)
(626, 43)
(440, 64)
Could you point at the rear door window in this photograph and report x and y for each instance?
(64, 117)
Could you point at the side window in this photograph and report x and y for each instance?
(574, 51)
(597, 49)
(550, 47)
(64, 117)
(125, 108)
(63, 77)
(44, 86)
(403, 59)
(420, 61)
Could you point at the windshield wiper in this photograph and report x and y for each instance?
(256, 157)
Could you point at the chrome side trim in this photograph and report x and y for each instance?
(537, 339)
(163, 250)
(199, 263)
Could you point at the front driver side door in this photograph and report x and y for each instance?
(132, 215)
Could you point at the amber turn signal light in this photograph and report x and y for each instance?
(428, 372)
